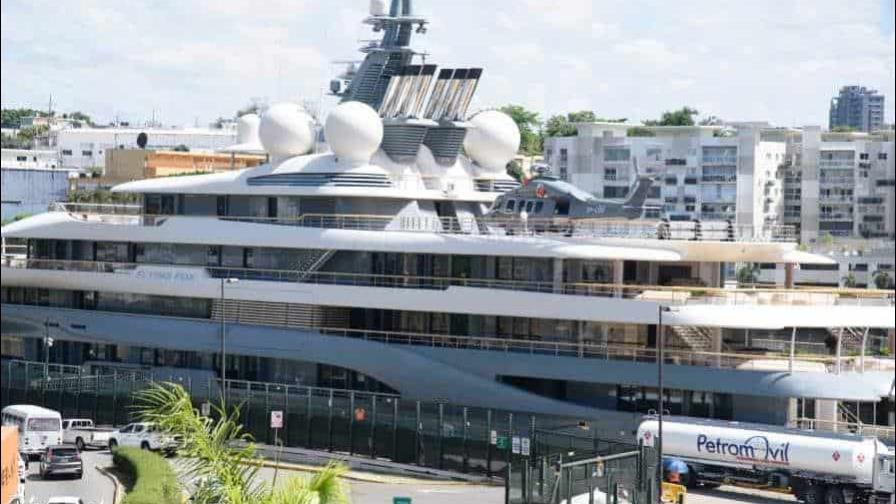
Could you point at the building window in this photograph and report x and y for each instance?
(563, 155)
(21, 158)
(671, 180)
(882, 156)
(87, 153)
(66, 152)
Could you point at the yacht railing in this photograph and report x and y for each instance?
(672, 295)
(883, 432)
(510, 225)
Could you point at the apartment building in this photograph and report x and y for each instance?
(839, 184)
(701, 172)
(857, 107)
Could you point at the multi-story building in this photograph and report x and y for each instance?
(701, 172)
(839, 184)
(857, 107)
(31, 180)
(85, 148)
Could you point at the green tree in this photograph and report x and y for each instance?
(529, 123)
(681, 117)
(558, 126)
(882, 279)
(516, 171)
(843, 129)
(12, 118)
(221, 457)
(850, 281)
(80, 117)
(582, 116)
(639, 131)
(28, 136)
(748, 274)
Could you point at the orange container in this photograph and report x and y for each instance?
(10, 463)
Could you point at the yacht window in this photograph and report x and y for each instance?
(510, 205)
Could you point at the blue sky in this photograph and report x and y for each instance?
(777, 60)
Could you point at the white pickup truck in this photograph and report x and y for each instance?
(142, 435)
(82, 433)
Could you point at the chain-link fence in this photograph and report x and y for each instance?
(440, 436)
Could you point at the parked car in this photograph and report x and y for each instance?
(82, 433)
(61, 459)
(142, 435)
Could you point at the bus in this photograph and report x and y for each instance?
(38, 427)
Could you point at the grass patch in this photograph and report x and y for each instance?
(148, 478)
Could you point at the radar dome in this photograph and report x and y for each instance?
(247, 129)
(286, 130)
(493, 141)
(377, 7)
(354, 132)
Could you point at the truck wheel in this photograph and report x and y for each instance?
(834, 495)
(814, 494)
(80, 444)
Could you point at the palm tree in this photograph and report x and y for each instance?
(221, 457)
(849, 281)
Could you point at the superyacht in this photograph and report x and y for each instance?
(385, 264)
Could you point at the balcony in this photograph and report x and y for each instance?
(508, 225)
(673, 295)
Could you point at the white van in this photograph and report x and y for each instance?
(38, 427)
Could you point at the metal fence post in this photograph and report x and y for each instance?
(267, 412)
(372, 437)
(417, 439)
(308, 426)
(286, 415)
(395, 429)
(351, 423)
(488, 443)
(465, 447)
(441, 435)
(330, 422)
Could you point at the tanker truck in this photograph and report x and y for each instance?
(817, 467)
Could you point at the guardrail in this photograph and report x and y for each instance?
(504, 225)
(664, 294)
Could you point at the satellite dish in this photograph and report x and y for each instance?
(142, 140)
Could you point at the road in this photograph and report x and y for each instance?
(93, 487)
(730, 494)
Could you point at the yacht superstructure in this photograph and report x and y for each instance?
(378, 266)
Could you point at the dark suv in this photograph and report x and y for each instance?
(61, 459)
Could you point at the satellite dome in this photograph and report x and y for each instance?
(354, 132)
(247, 129)
(493, 141)
(285, 131)
(377, 7)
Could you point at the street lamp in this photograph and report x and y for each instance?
(660, 359)
(224, 339)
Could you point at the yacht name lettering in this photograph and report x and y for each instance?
(172, 276)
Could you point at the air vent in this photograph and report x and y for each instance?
(489, 185)
(322, 180)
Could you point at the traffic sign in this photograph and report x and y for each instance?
(525, 447)
(206, 409)
(493, 437)
(401, 500)
(503, 443)
(516, 445)
(276, 419)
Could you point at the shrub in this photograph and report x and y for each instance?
(149, 477)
